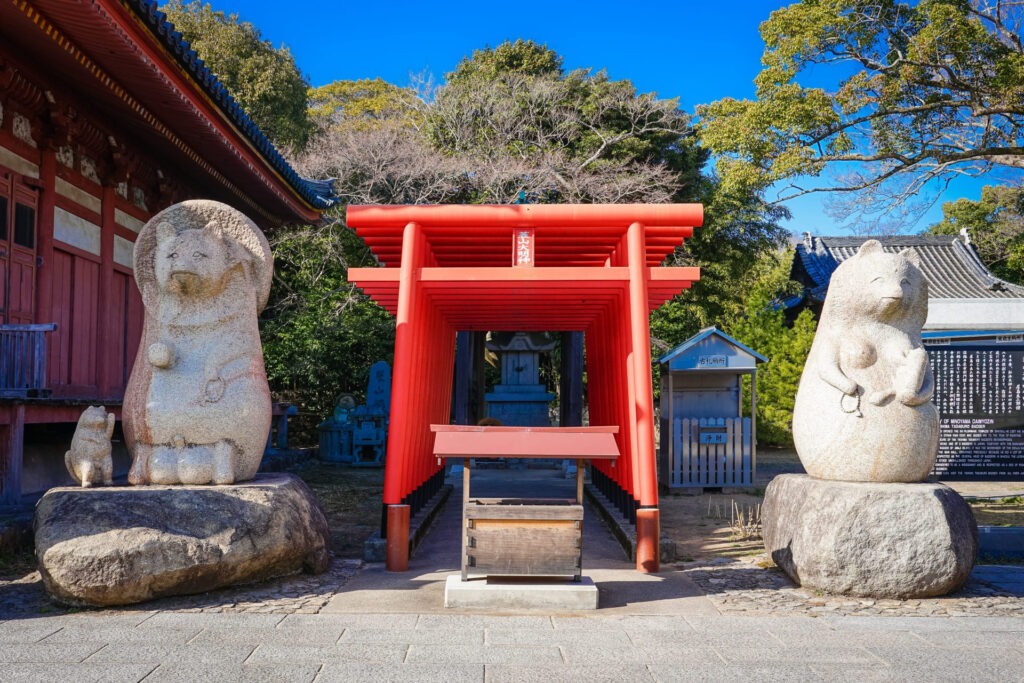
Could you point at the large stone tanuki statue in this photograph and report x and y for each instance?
(863, 411)
(196, 412)
(197, 405)
(865, 522)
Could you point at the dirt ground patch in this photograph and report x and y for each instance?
(722, 524)
(351, 498)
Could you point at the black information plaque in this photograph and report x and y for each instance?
(979, 391)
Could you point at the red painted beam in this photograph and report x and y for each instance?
(527, 215)
(460, 441)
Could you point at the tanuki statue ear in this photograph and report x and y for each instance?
(165, 231)
(870, 247)
(911, 255)
(214, 231)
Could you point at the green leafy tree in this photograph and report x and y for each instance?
(995, 224)
(519, 125)
(363, 105)
(263, 79)
(923, 91)
(521, 56)
(763, 328)
(740, 230)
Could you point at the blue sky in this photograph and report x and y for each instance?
(698, 52)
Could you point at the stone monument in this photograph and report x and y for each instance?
(864, 522)
(197, 406)
(89, 460)
(520, 399)
(196, 412)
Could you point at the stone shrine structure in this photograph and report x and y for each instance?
(357, 435)
(520, 399)
(863, 523)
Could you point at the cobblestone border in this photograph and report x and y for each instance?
(293, 594)
(743, 586)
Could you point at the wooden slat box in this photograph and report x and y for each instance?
(503, 537)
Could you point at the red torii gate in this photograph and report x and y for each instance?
(555, 268)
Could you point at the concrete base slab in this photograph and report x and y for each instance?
(520, 594)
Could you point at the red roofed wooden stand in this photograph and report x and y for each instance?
(556, 268)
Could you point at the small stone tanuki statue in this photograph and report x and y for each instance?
(197, 405)
(863, 410)
(89, 460)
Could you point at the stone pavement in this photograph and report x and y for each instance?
(714, 621)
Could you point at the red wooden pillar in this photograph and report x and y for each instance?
(401, 430)
(648, 516)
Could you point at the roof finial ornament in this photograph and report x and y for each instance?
(965, 235)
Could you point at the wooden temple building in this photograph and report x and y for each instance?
(106, 117)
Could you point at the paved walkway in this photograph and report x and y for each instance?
(375, 626)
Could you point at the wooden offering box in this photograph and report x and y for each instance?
(523, 537)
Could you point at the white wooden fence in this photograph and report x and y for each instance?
(711, 451)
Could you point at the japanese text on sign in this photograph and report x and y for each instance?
(523, 248)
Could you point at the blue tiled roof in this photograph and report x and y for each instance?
(951, 266)
(319, 193)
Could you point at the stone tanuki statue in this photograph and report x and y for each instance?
(196, 411)
(863, 410)
(89, 460)
(865, 522)
(197, 405)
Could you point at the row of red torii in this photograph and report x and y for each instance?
(556, 268)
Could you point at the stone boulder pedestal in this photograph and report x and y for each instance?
(122, 545)
(869, 539)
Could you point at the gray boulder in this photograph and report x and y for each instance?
(867, 539)
(122, 545)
